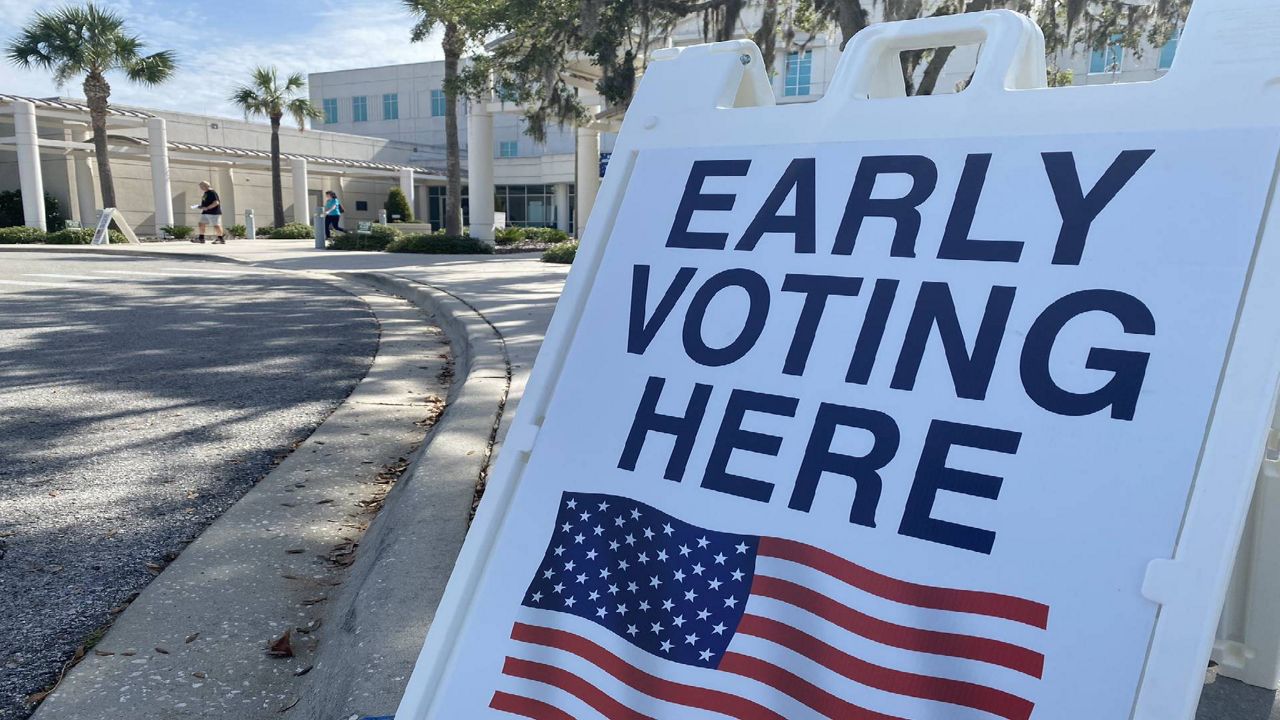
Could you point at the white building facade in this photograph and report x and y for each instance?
(158, 157)
(548, 184)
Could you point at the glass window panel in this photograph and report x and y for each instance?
(330, 110)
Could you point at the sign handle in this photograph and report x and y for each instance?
(1012, 55)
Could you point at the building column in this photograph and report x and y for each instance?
(562, 206)
(30, 178)
(161, 190)
(406, 187)
(588, 174)
(480, 172)
(301, 202)
(228, 194)
(86, 180)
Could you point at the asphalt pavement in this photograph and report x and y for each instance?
(139, 398)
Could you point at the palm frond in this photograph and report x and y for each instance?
(152, 69)
(301, 110)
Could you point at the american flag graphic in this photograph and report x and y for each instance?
(715, 624)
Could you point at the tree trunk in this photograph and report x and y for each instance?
(277, 193)
(453, 47)
(96, 92)
(729, 20)
(932, 71)
(767, 36)
(852, 19)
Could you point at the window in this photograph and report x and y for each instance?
(362, 205)
(437, 103)
(1169, 50)
(359, 108)
(1108, 59)
(391, 107)
(508, 148)
(799, 67)
(330, 110)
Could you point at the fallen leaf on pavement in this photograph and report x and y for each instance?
(198, 674)
(161, 650)
(281, 647)
(191, 638)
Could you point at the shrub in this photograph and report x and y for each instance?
(398, 204)
(292, 231)
(439, 244)
(550, 236)
(18, 234)
(562, 253)
(11, 214)
(71, 236)
(379, 237)
(114, 236)
(237, 231)
(507, 236)
(178, 232)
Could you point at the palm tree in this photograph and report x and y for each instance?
(90, 41)
(464, 21)
(267, 96)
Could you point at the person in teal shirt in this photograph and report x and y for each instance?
(332, 213)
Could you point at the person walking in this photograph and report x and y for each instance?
(210, 208)
(332, 213)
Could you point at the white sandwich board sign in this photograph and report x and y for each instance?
(102, 233)
(887, 407)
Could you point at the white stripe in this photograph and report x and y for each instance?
(218, 271)
(1009, 631)
(140, 273)
(32, 283)
(67, 277)
(892, 658)
(685, 674)
(546, 693)
(849, 691)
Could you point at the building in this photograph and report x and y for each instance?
(158, 157)
(553, 183)
(534, 182)
(384, 126)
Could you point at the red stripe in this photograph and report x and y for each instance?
(925, 596)
(1014, 657)
(926, 687)
(672, 692)
(789, 683)
(572, 684)
(527, 707)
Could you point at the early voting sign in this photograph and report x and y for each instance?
(885, 422)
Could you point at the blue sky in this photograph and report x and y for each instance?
(219, 41)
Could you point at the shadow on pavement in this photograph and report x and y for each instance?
(132, 413)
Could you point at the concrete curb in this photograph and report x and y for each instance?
(376, 627)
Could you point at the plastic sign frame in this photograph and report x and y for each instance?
(1227, 77)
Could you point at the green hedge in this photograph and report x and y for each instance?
(439, 244)
(543, 235)
(70, 236)
(178, 232)
(292, 231)
(379, 237)
(20, 234)
(562, 253)
(237, 231)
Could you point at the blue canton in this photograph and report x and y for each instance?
(670, 588)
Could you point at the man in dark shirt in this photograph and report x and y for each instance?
(210, 208)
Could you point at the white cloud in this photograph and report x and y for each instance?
(217, 52)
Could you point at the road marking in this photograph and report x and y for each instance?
(67, 277)
(31, 283)
(139, 272)
(218, 271)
